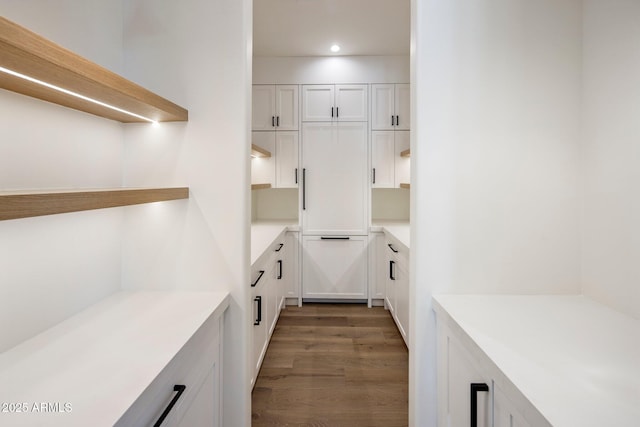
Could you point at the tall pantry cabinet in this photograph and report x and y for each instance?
(334, 194)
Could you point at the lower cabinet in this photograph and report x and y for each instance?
(334, 267)
(469, 391)
(268, 290)
(291, 272)
(397, 284)
(187, 392)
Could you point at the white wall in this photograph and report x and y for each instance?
(52, 267)
(611, 138)
(275, 204)
(495, 153)
(196, 53)
(390, 204)
(330, 69)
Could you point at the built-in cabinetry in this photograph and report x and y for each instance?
(535, 360)
(397, 283)
(341, 103)
(122, 362)
(274, 278)
(335, 202)
(390, 107)
(275, 129)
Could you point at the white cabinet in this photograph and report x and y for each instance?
(268, 275)
(397, 284)
(466, 374)
(281, 169)
(334, 267)
(334, 178)
(390, 107)
(377, 266)
(286, 154)
(388, 168)
(274, 107)
(343, 103)
(291, 270)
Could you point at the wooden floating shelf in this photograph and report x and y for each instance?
(407, 186)
(406, 153)
(260, 186)
(14, 205)
(259, 151)
(29, 54)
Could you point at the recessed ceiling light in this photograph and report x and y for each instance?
(335, 48)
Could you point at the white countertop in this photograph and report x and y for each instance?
(401, 230)
(102, 359)
(263, 233)
(576, 361)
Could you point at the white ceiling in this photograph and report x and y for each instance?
(310, 27)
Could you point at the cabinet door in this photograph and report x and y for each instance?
(382, 159)
(204, 410)
(403, 106)
(287, 160)
(260, 304)
(263, 107)
(402, 164)
(334, 268)
(457, 370)
(291, 266)
(351, 103)
(391, 268)
(318, 103)
(272, 286)
(505, 413)
(286, 111)
(382, 109)
(335, 187)
(263, 169)
(377, 271)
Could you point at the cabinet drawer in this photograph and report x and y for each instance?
(189, 368)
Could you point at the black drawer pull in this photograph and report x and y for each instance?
(279, 269)
(179, 389)
(278, 121)
(273, 121)
(335, 238)
(280, 247)
(374, 175)
(392, 248)
(475, 388)
(253, 285)
(296, 174)
(392, 275)
(258, 299)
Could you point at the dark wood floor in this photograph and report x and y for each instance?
(335, 365)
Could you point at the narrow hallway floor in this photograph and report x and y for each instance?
(333, 365)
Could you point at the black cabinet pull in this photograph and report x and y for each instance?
(397, 120)
(273, 121)
(278, 121)
(335, 238)
(179, 388)
(392, 248)
(296, 175)
(331, 111)
(392, 276)
(392, 121)
(374, 175)
(304, 189)
(475, 388)
(258, 299)
(253, 285)
(280, 247)
(337, 111)
(279, 269)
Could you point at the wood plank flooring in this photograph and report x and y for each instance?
(334, 365)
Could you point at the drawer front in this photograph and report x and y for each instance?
(189, 368)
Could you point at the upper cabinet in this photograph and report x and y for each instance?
(34, 66)
(275, 107)
(342, 103)
(390, 107)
